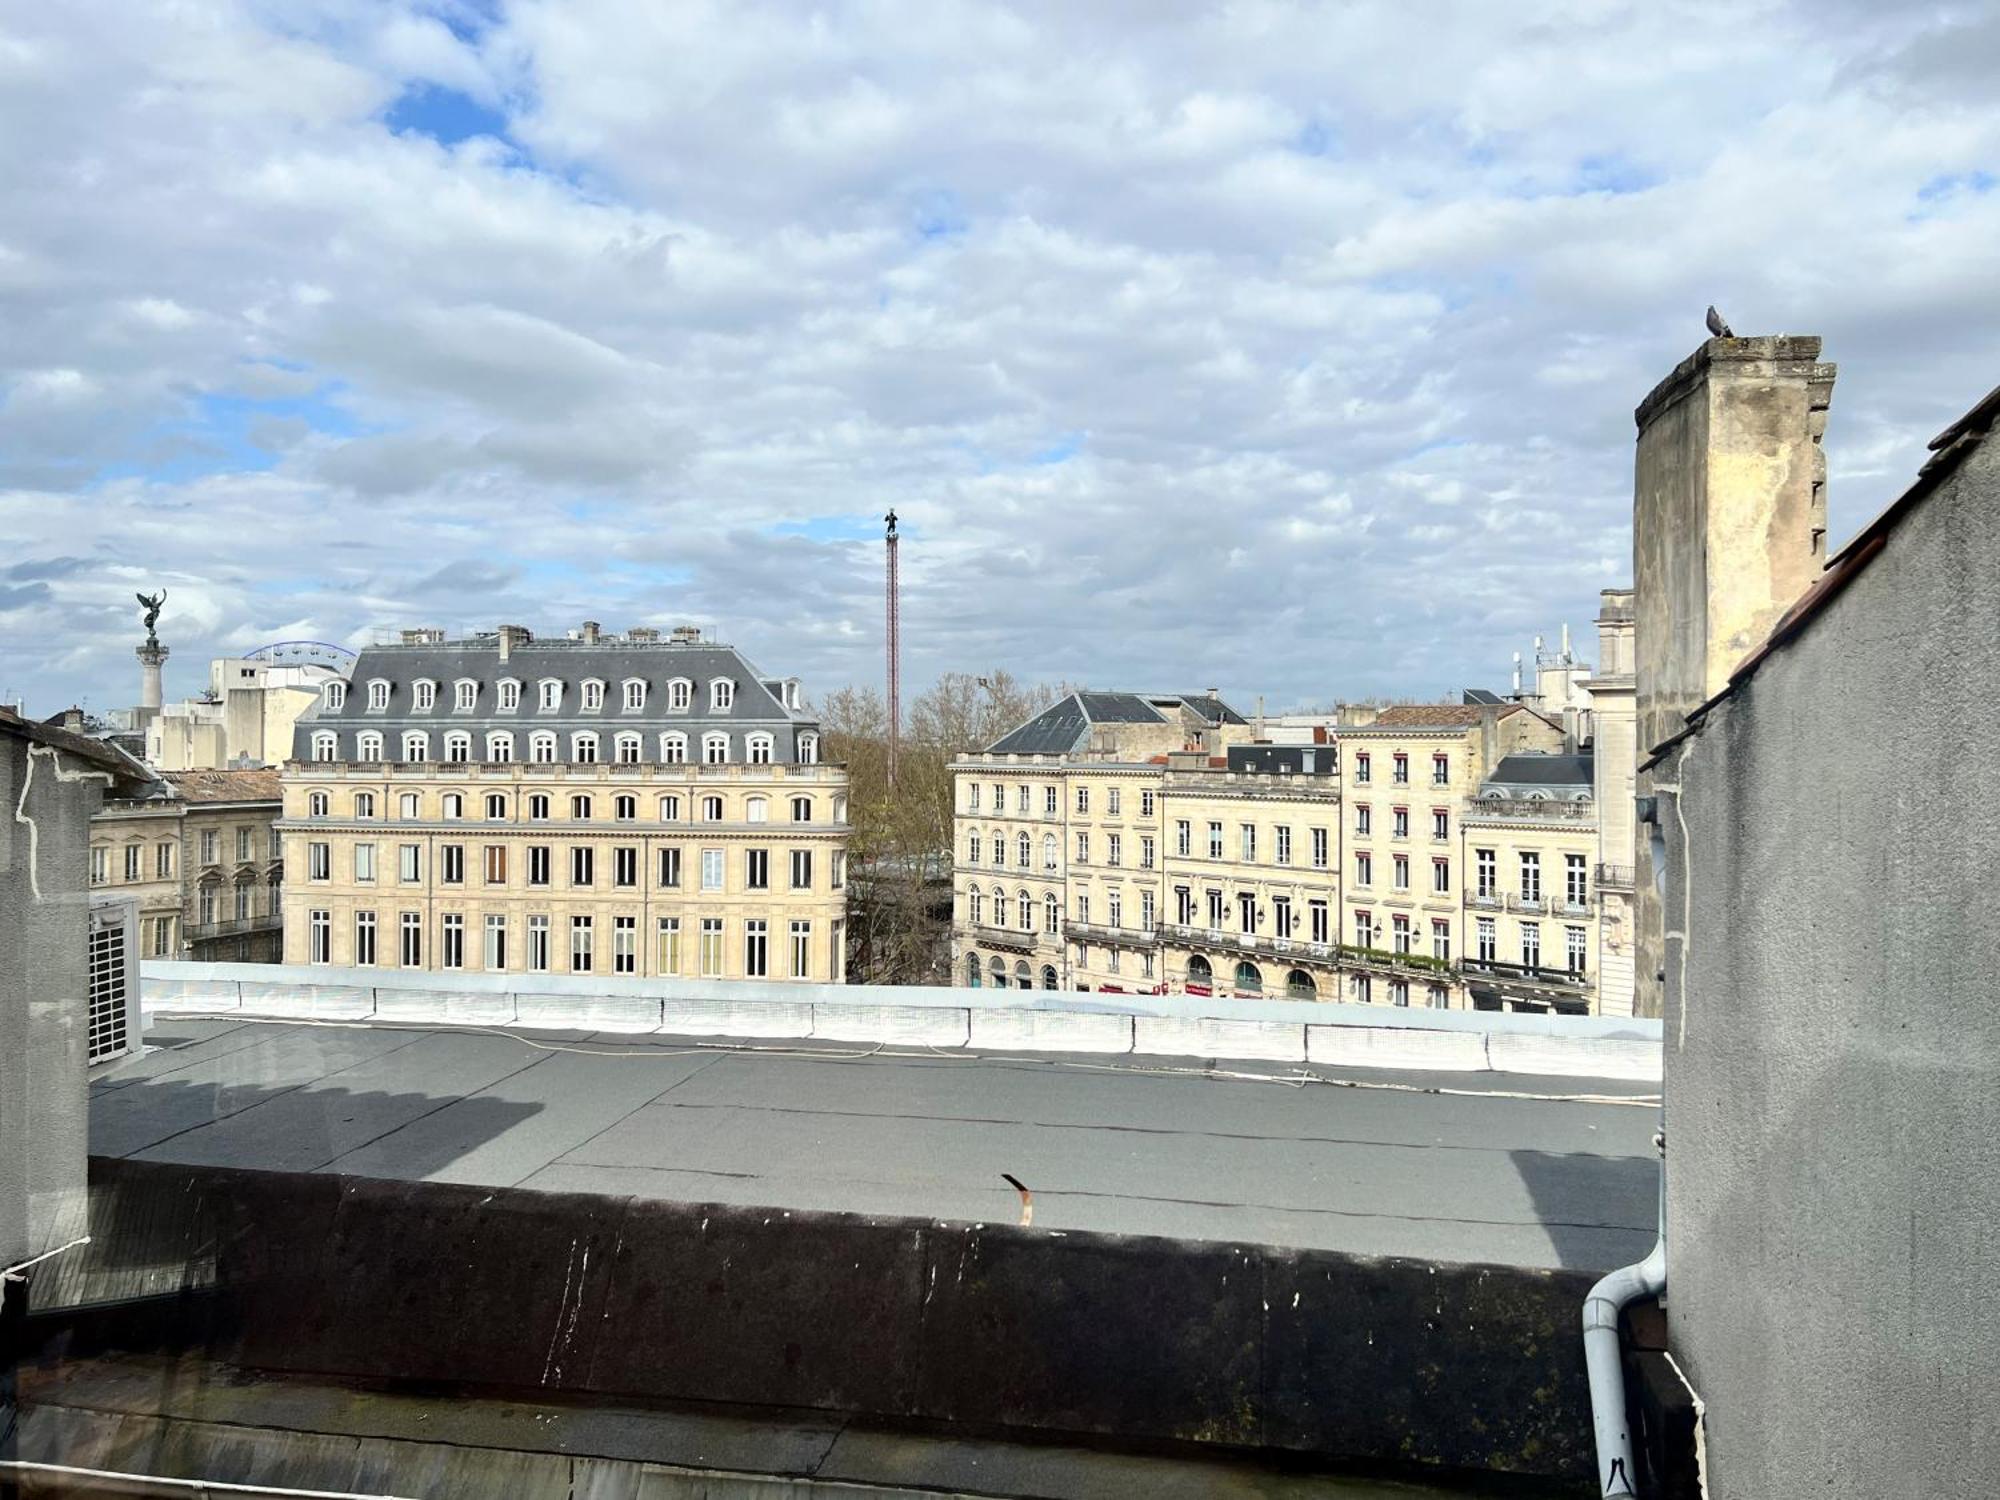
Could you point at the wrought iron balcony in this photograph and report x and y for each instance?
(1097, 932)
(234, 927)
(1615, 877)
(1558, 978)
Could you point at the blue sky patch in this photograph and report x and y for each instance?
(445, 115)
(938, 215)
(229, 434)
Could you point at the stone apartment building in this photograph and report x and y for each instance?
(594, 804)
(1531, 842)
(198, 854)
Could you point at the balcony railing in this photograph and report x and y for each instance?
(1541, 810)
(1615, 877)
(1486, 900)
(233, 927)
(1299, 950)
(1531, 974)
(1529, 905)
(1098, 932)
(1004, 937)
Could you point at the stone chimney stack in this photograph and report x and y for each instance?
(512, 636)
(1728, 530)
(590, 632)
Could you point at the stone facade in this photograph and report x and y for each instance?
(1614, 737)
(628, 806)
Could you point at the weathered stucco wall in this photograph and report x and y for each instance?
(44, 913)
(1833, 1058)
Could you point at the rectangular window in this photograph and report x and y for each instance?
(972, 796)
(1361, 769)
(451, 864)
(1576, 880)
(322, 936)
(1531, 945)
(1083, 799)
(100, 865)
(1116, 853)
(411, 953)
(163, 861)
(1399, 823)
(836, 870)
(668, 957)
(1399, 933)
(1021, 800)
(757, 869)
(670, 871)
(1082, 910)
(1440, 770)
(364, 938)
(802, 869)
(711, 869)
(1284, 842)
(582, 865)
(625, 866)
(1145, 911)
(1485, 872)
(1440, 940)
(756, 948)
(243, 840)
(364, 862)
(538, 944)
(711, 947)
(1083, 848)
(1400, 871)
(802, 950)
(1145, 804)
(1316, 911)
(319, 861)
(1440, 824)
(1111, 802)
(452, 955)
(1281, 916)
(1578, 941)
(1215, 909)
(1319, 848)
(1364, 869)
(1114, 908)
(496, 942)
(1364, 930)
(208, 847)
(1362, 817)
(1247, 842)
(1399, 992)
(1215, 841)
(1183, 837)
(1048, 801)
(1183, 905)
(133, 854)
(494, 859)
(1399, 769)
(624, 945)
(1146, 851)
(1483, 934)
(409, 863)
(1441, 876)
(1531, 875)
(538, 864)
(580, 939)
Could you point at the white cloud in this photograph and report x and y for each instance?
(1282, 347)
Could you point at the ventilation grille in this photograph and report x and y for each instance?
(111, 982)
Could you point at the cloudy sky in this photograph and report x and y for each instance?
(1285, 347)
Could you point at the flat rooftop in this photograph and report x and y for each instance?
(1506, 1169)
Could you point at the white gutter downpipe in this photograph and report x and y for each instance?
(1601, 1355)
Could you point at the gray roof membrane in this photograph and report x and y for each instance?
(1063, 726)
(1572, 771)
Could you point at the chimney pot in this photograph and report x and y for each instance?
(590, 630)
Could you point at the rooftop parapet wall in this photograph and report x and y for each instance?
(1349, 1359)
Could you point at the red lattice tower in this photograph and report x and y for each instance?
(895, 649)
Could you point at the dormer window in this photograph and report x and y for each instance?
(757, 748)
(809, 750)
(465, 693)
(416, 745)
(378, 696)
(721, 694)
(680, 695)
(673, 749)
(336, 696)
(551, 694)
(635, 694)
(510, 694)
(593, 696)
(423, 695)
(714, 749)
(325, 745)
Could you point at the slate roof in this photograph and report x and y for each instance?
(83, 746)
(1526, 770)
(259, 785)
(1064, 726)
(756, 704)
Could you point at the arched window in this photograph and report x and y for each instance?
(757, 810)
(721, 695)
(1199, 972)
(972, 970)
(628, 749)
(538, 807)
(499, 747)
(635, 694)
(1249, 979)
(973, 844)
(579, 809)
(802, 809)
(334, 696)
(975, 906)
(416, 745)
(317, 804)
(583, 747)
(680, 695)
(998, 969)
(509, 690)
(593, 695)
(1024, 849)
(1023, 980)
(550, 691)
(1025, 905)
(758, 748)
(670, 809)
(714, 749)
(378, 694)
(326, 745)
(423, 695)
(625, 808)
(808, 749)
(464, 694)
(496, 807)
(1299, 986)
(368, 745)
(364, 804)
(999, 907)
(453, 805)
(711, 809)
(458, 746)
(1048, 976)
(406, 807)
(542, 747)
(673, 749)
(999, 848)
(1051, 916)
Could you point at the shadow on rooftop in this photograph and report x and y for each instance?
(1600, 1211)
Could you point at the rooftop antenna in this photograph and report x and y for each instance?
(895, 647)
(1517, 674)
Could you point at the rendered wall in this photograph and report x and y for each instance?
(44, 917)
(1833, 1055)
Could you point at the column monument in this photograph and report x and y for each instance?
(152, 656)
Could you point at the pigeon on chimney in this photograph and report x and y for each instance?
(1716, 326)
